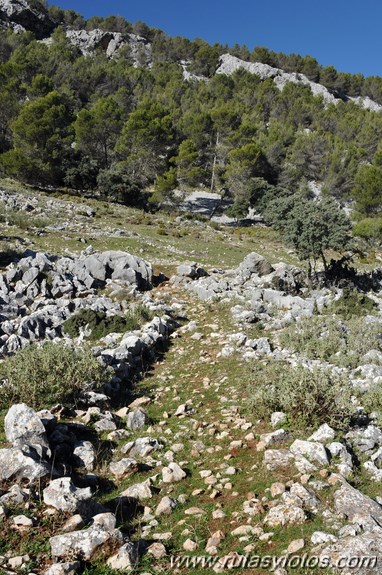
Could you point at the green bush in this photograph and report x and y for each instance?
(372, 401)
(352, 303)
(100, 325)
(369, 229)
(308, 397)
(49, 374)
(339, 342)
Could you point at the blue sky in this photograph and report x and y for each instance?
(343, 33)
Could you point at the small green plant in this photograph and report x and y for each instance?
(49, 374)
(99, 324)
(162, 231)
(308, 397)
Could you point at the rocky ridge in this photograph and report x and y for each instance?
(20, 16)
(230, 64)
(111, 43)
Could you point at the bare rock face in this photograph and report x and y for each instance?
(87, 41)
(19, 15)
(366, 548)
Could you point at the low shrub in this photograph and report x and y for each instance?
(339, 342)
(49, 374)
(99, 324)
(352, 304)
(308, 397)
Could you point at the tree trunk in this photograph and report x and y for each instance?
(324, 262)
(214, 163)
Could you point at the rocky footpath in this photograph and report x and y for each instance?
(184, 467)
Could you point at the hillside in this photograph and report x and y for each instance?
(190, 305)
(123, 112)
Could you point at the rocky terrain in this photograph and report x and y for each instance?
(184, 454)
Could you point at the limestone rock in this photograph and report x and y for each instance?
(353, 504)
(166, 506)
(157, 550)
(140, 491)
(276, 458)
(83, 544)
(254, 263)
(84, 455)
(313, 451)
(125, 559)
(63, 495)
(123, 467)
(137, 419)
(141, 447)
(70, 568)
(19, 464)
(324, 433)
(19, 14)
(284, 515)
(23, 427)
(173, 473)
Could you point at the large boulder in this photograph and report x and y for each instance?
(354, 505)
(63, 495)
(288, 279)
(23, 427)
(84, 544)
(115, 265)
(18, 464)
(254, 263)
(315, 452)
